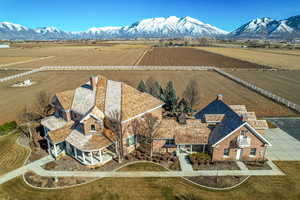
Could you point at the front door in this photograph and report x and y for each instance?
(239, 154)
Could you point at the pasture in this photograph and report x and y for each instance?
(192, 57)
(281, 59)
(283, 83)
(13, 100)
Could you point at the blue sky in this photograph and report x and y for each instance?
(78, 15)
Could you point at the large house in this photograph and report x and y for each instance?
(77, 128)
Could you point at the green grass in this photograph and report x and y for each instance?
(142, 167)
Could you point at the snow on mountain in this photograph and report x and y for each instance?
(268, 28)
(51, 29)
(12, 27)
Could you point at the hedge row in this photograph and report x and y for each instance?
(7, 127)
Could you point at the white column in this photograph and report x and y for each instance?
(55, 150)
(83, 156)
(203, 148)
(49, 146)
(92, 159)
(75, 152)
(100, 153)
(191, 148)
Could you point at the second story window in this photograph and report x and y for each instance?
(243, 133)
(93, 127)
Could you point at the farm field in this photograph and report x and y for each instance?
(112, 54)
(13, 100)
(12, 155)
(191, 57)
(5, 73)
(283, 83)
(13, 59)
(282, 59)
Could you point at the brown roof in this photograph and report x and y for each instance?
(214, 117)
(96, 142)
(238, 108)
(135, 102)
(258, 124)
(101, 93)
(60, 134)
(193, 132)
(65, 98)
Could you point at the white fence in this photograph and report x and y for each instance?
(251, 86)
(261, 91)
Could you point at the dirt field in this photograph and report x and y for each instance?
(13, 100)
(282, 83)
(5, 73)
(190, 57)
(13, 59)
(283, 59)
(113, 54)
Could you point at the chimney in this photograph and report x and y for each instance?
(220, 97)
(93, 83)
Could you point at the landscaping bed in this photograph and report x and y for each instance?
(257, 165)
(51, 182)
(143, 166)
(217, 181)
(202, 161)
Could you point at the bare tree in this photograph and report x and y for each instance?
(148, 129)
(42, 104)
(114, 123)
(191, 93)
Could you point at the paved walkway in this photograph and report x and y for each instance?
(284, 147)
(30, 167)
(185, 163)
(241, 165)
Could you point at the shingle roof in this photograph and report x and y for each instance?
(258, 124)
(193, 132)
(230, 122)
(84, 100)
(213, 117)
(60, 134)
(65, 98)
(53, 122)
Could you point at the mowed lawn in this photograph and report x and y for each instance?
(13, 100)
(278, 59)
(263, 187)
(283, 83)
(12, 155)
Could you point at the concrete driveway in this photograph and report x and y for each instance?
(284, 147)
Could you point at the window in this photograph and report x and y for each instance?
(93, 127)
(170, 142)
(253, 152)
(131, 140)
(226, 152)
(243, 133)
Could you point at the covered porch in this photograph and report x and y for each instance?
(191, 148)
(92, 157)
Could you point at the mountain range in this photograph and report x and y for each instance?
(159, 27)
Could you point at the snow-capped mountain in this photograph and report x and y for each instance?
(153, 27)
(269, 28)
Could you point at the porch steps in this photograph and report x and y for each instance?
(185, 163)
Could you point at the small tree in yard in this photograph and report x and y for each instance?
(142, 86)
(149, 130)
(114, 123)
(191, 94)
(169, 97)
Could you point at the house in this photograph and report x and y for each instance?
(77, 128)
(3, 45)
(236, 133)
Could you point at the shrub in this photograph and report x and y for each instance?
(7, 127)
(199, 156)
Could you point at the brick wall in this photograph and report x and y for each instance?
(87, 125)
(218, 151)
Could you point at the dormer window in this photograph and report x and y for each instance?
(93, 127)
(243, 133)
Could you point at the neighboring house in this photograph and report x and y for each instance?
(4, 45)
(77, 127)
(236, 133)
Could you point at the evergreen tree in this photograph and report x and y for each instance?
(142, 86)
(169, 97)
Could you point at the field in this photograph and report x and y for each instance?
(211, 84)
(12, 155)
(283, 83)
(13, 59)
(111, 54)
(5, 73)
(282, 59)
(191, 57)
